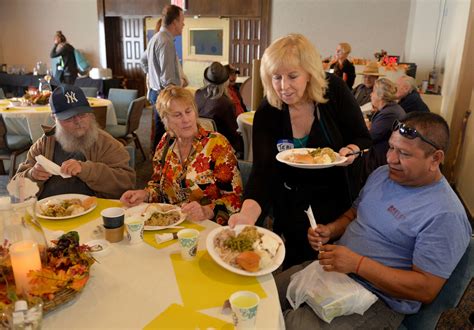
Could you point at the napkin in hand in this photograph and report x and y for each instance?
(50, 167)
(366, 108)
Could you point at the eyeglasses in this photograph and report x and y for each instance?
(411, 133)
(78, 116)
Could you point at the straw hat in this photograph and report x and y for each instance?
(371, 69)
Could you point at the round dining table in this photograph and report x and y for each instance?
(27, 120)
(149, 286)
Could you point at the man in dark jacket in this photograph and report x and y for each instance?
(408, 96)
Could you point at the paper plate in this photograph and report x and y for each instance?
(277, 260)
(282, 157)
(63, 197)
(139, 209)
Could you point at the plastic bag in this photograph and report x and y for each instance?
(82, 63)
(329, 294)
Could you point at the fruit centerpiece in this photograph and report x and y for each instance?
(41, 98)
(60, 279)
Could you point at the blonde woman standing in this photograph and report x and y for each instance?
(342, 67)
(304, 107)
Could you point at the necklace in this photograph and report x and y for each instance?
(301, 143)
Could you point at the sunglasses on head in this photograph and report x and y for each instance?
(411, 133)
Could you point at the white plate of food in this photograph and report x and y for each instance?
(157, 216)
(65, 206)
(246, 250)
(310, 158)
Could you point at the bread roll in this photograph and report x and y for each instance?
(88, 202)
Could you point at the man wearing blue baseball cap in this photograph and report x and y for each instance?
(90, 161)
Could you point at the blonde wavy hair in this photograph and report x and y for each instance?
(346, 47)
(293, 50)
(172, 93)
(386, 90)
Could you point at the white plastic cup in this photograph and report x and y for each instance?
(244, 306)
(424, 86)
(188, 240)
(134, 227)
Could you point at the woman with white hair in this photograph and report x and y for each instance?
(385, 112)
(192, 167)
(304, 107)
(214, 102)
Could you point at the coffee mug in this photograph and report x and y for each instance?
(114, 235)
(113, 217)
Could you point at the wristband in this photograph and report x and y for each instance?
(358, 265)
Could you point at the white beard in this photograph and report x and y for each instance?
(70, 143)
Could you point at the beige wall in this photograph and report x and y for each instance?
(368, 25)
(465, 184)
(28, 27)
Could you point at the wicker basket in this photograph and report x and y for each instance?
(60, 298)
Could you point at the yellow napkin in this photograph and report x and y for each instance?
(204, 284)
(42, 108)
(180, 317)
(149, 236)
(70, 224)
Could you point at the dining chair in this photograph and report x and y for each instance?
(246, 92)
(90, 91)
(11, 146)
(121, 99)
(131, 152)
(126, 133)
(2, 94)
(245, 167)
(449, 296)
(100, 116)
(208, 124)
(245, 131)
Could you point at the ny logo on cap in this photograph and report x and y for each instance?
(70, 97)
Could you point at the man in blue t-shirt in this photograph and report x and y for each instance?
(403, 236)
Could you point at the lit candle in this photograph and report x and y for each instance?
(24, 257)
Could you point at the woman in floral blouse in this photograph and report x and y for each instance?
(192, 167)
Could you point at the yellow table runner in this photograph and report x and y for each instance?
(149, 236)
(204, 284)
(70, 224)
(180, 317)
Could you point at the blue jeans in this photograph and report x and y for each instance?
(159, 127)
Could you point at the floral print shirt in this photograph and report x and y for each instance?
(209, 175)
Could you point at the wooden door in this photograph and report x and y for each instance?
(133, 47)
(124, 41)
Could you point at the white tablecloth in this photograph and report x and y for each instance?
(28, 120)
(133, 284)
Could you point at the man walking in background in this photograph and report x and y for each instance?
(163, 66)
